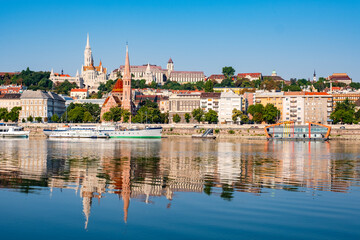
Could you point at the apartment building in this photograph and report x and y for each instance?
(210, 100)
(302, 107)
(228, 102)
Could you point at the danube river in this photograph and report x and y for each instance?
(179, 189)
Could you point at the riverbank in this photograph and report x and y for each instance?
(256, 131)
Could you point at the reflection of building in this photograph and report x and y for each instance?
(146, 169)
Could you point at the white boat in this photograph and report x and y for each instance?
(117, 132)
(12, 130)
(76, 132)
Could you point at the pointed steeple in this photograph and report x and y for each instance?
(100, 64)
(52, 72)
(127, 73)
(77, 73)
(88, 41)
(148, 68)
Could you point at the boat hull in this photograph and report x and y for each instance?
(142, 133)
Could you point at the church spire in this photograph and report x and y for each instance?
(88, 41)
(127, 73)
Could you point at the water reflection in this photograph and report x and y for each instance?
(146, 169)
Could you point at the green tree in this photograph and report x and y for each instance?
(211, 116)
(30, 119)
(3, 113)
(107, 116)
(55, 118)
(271, 113)
(153, 85)
(38, 119)
(126, 115)
(228, 72)
(209, 86)
(258, 117)
(13, 115)
(187, 117)
(116, 114)
(88, 117)
(76, 115)
(344, 113)
(244, 118)
(198, 114)
(176, 118)
(64, 87)
(236, 114)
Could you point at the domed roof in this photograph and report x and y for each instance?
(118, 86)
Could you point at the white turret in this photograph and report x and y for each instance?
(87, 53)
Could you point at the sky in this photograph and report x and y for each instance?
(290, 36)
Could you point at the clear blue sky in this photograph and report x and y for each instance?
(293, 37)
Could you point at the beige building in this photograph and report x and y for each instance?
(340, 97)
(183, 103)
(210, 100)
(156, 73)
(302, 107)
(41, 104)
(10, 100)
(164, 104)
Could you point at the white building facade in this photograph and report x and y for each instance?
(228, 102)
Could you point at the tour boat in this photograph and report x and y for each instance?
(117, 132)
(289, 131)
(76, 132)
(12, 130)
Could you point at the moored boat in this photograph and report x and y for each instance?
(76, 132)
(13, 130)
(290, 131)
(148, 132)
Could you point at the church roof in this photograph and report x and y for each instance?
(119, 86)
(170, 61)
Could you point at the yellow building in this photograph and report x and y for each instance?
(275, 98)
(340, 97)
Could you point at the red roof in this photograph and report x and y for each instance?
(78, 90)
(216, 76)
(253, 75)
(316, 93)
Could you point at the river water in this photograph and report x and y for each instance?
(179, 189)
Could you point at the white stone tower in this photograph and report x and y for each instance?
(87, 53)
(170, 65)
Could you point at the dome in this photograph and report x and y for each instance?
(118, 86)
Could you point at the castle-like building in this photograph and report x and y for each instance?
(155, 73)
(120, 95)
(91, 76)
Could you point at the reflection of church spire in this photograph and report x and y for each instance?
(86, 208)
(126, 188)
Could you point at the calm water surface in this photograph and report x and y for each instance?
(179, 189)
